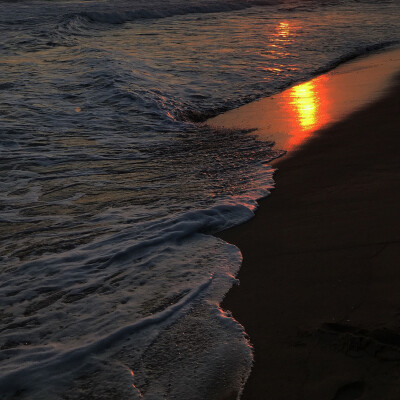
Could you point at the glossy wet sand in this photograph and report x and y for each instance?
(319, 291)
(292, 117)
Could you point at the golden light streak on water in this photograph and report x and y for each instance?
(283, 29)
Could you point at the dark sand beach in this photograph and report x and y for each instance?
(319, 291)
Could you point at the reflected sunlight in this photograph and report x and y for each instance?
(283, 29)
(279, 39)
(291, 117)
(307, 105)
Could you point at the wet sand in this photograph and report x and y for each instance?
(319, 291)
(292, 117)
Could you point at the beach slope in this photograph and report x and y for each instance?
(319, 291)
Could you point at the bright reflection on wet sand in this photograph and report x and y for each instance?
(291, 117)
(305, 103)
(307, 108)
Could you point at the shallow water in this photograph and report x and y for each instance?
(110, 188)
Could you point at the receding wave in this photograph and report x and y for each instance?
(51, 358)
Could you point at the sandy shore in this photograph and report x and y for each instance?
(319, 291)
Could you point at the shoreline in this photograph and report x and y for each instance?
(319, 287)
(292, 117)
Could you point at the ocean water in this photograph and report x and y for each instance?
(111, 187)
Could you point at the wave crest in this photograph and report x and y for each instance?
(120, 17)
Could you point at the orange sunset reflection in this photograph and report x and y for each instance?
(283, 29)
(280, 37)
(305, 103)
(291, 117)
(307, 107)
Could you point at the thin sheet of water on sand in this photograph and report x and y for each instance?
(290, 118)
